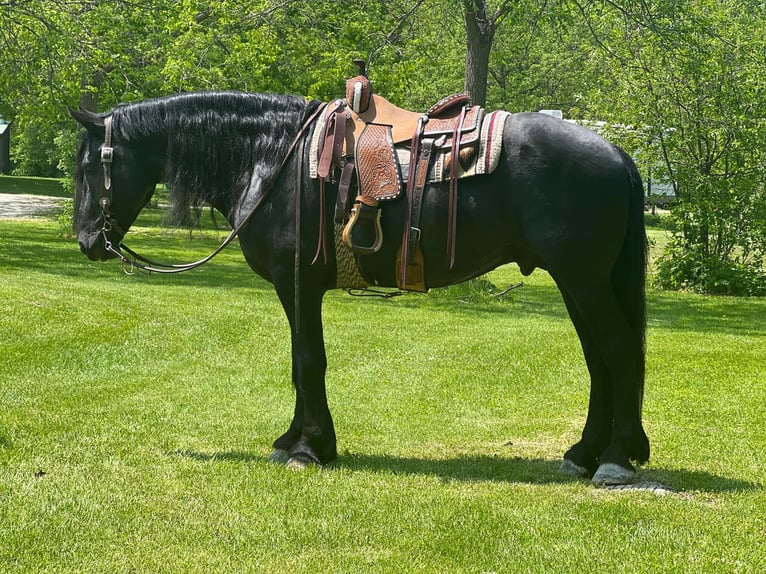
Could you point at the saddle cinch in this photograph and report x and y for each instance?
(383, 150)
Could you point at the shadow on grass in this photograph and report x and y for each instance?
(697, 313)
(51, 187)
(29, 246)
(467, 468)
(532, 471)
(681, 480)
(41, 249)
(491, 468)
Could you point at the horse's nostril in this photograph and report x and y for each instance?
(90, 246)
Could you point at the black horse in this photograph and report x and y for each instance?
(562, 199)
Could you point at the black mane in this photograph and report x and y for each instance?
(216, 141)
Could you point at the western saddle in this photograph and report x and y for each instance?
(368, 139)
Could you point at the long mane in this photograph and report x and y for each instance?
(216, 141)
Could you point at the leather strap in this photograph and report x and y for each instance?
(107, 155)
(452, 201)
(334, 134)
(416, 204)
(297, 254)
(416, 167)
(342, 203)
(330, 155)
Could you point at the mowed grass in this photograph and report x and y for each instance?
(47, 186)
(136, 415)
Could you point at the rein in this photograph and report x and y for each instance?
(145, 264)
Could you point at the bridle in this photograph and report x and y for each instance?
(144, 264)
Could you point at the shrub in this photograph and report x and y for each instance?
(64, 218)
(690, 269)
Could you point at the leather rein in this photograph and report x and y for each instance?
(144, 264)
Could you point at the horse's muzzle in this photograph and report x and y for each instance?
(93, 246)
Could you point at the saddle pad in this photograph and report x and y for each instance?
(315, 143)
(485, 160)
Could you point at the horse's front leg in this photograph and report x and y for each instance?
(311, 436)
(284, 443)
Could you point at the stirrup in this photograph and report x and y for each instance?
(370, 213)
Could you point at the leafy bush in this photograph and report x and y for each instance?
(64, 218)
(690, 269)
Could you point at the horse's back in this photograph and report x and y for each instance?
(543, 146)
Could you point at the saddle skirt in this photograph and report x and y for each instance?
(483, 161)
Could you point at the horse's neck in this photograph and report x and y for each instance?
(233, 180)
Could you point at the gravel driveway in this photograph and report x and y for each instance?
(22, 206)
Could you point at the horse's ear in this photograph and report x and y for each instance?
(94, 123)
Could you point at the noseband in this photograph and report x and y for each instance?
(144, 264)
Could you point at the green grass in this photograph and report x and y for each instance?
(137, 413)
(34, 185)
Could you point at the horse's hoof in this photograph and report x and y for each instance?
(610, 474)
(571, 469)
(298, 464)
(279, 456)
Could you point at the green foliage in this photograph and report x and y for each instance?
(679, 84)
(691, 86)
(543, 59)
(65, 219)
(689, 268)
(659, 221)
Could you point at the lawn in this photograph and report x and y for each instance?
(33, 185)
(137, 412)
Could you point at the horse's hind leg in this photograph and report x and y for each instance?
(582, 459)
(613, 351)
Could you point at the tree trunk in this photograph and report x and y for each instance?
(480, 31)
(89, 90)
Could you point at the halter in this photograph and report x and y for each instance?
(145, 264)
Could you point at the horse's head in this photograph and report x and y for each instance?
(114, 180)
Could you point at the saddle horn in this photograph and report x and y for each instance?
(359, 89)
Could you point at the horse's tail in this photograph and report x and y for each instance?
(629, 273)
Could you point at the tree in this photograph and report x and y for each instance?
(480, 28)
(63, 52)
(692, 82)
(686, 75)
